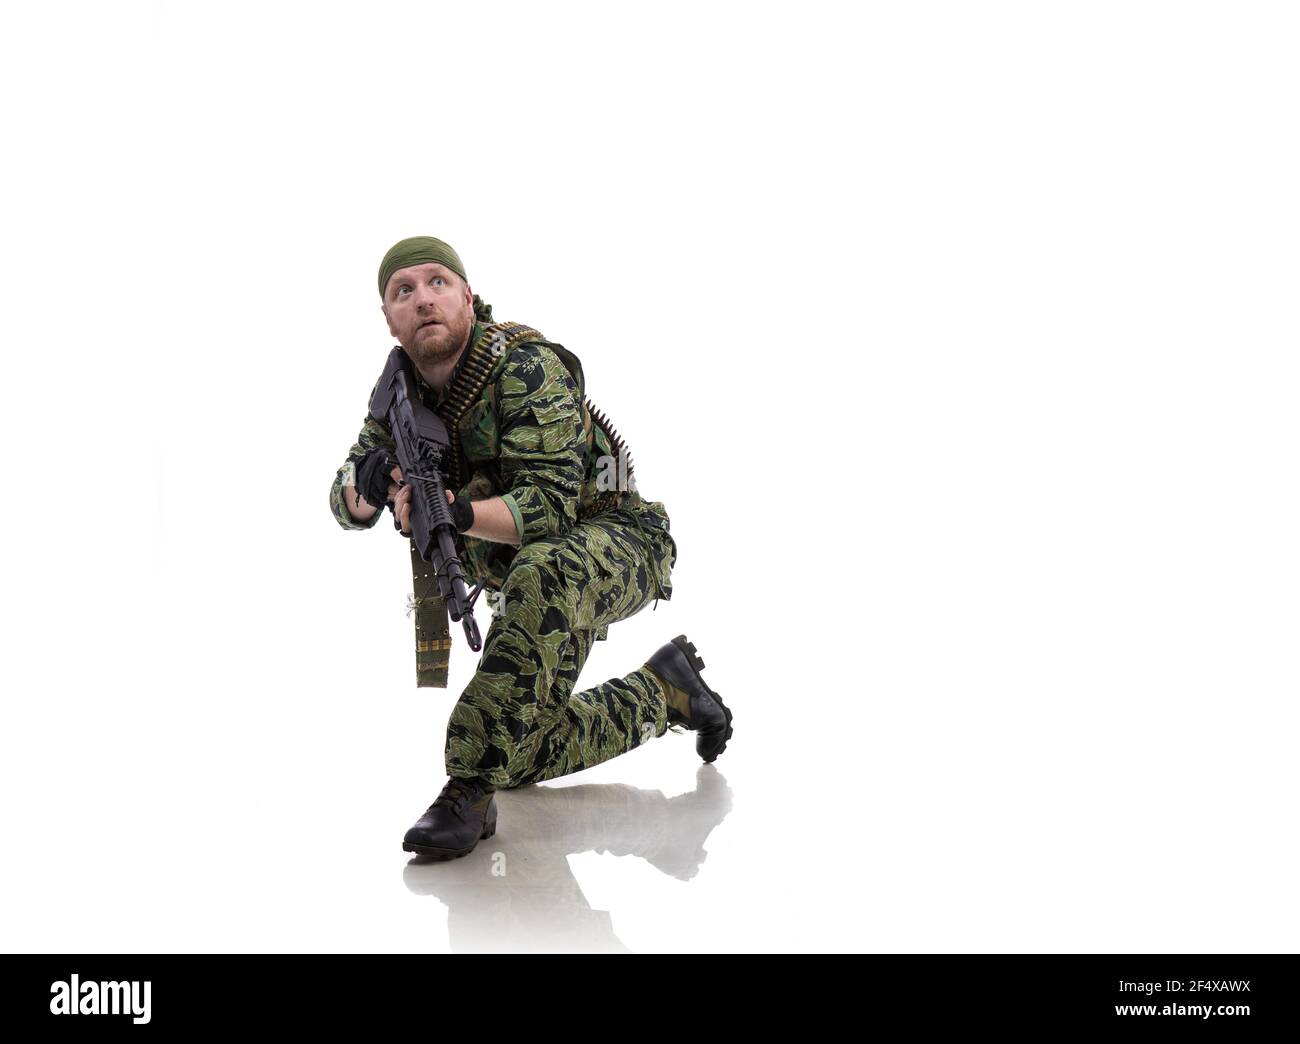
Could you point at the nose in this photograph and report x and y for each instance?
(424, 295)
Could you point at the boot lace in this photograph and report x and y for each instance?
(457, 794)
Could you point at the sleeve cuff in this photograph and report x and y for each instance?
(514, 513)
(338, 504)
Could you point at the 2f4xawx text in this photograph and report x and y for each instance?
(1187, 986)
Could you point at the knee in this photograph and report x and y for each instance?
(524, 585)
(534, 554)
(534, 580)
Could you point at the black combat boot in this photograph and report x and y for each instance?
(462, 815)
(690, 701)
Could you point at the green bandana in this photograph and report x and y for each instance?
(418, 250)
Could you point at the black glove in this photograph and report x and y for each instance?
(462, 513)
(374, 476)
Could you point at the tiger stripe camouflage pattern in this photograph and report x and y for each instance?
(588, 559)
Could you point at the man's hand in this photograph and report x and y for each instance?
(401, 497)
(372, 483)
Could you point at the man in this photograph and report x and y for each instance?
(551, 523)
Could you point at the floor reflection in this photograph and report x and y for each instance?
(515, 892)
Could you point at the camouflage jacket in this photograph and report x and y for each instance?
(528, 436)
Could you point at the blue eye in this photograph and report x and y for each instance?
(439, 280)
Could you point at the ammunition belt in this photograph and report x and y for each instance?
(480, 360)
(613, 498)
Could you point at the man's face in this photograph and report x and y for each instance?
(430, 310)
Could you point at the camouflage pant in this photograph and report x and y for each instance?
(519, 720)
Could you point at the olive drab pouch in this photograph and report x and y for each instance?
(432, 626)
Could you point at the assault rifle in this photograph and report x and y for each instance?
(422, 444)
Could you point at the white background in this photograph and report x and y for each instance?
(959, 341)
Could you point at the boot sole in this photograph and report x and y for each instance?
(697, 665)
(443, 854)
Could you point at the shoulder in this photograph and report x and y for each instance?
(532, 369)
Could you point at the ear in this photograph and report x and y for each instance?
(391, 328)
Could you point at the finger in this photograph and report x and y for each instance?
(450, 497)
